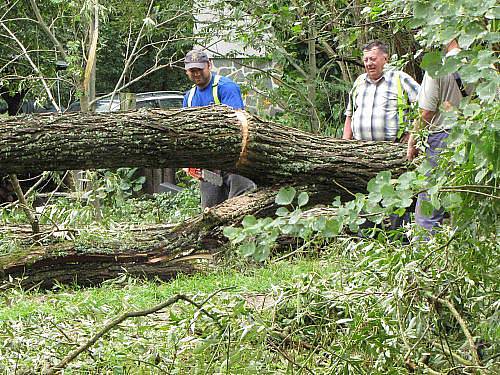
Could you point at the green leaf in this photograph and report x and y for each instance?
(319, 224)
(262, 252)
(387, 191)
(436, 203)
(493, 13)
(285, 196)
(400, 211)
(374, 197)
(302, 199)
(471, 109)
(451, 65)
(421, 9)
(373, 186)
(249, 221)
(466, 39)
(287, 229)
(295, 217)
(231, 232)
(282, 211)
(487, 90)
(431, 62)
(406, 198)
(332, 228)
(247, 249)
(452, 200)
(426, 208)
(124, 186)
(384, 177)
(407, 178)
(296, 29)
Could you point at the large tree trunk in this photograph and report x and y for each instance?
(218, 138)
(209, 137)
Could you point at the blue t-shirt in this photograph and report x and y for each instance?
(229, 94)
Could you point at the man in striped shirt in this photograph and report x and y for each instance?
(372, 113)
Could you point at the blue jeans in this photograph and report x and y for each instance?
(436, 142)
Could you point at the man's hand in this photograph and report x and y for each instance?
(347, 129)
(412, 151)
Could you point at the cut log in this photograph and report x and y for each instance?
(206, 137)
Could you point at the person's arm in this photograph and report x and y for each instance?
(426, 117)
(410, 86)
(347, 128)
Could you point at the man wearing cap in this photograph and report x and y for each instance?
(213, 89)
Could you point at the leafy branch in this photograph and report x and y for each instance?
(132, 314)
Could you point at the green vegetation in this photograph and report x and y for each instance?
(331, 303)
(362, 307)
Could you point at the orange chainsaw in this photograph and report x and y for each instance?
(205, 175)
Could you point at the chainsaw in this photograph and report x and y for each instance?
(213, 178)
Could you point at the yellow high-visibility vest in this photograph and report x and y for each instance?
(215, 84)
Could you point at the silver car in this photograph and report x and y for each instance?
(154, 99)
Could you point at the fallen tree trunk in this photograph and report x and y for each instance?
(160, 251)
(185, 248)
(209, 137)
(216, 138)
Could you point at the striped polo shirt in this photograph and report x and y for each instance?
(376, 115)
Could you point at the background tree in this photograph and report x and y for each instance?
(136, 39)
(315, 48)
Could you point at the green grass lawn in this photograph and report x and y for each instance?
(37, 327)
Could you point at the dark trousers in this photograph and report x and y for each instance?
(232, 186)
(436, 142)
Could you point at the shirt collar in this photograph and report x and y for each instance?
(383, 76)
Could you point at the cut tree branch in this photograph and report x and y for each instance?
(131, 314)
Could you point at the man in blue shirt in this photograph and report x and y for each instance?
(212, 89)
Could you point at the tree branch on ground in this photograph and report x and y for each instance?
(131, 314)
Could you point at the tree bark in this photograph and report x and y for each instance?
(215, 137)
(159, 253)
(207, 137)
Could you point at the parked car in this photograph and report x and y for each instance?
(154, 99)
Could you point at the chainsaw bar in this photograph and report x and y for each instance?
(211, 177)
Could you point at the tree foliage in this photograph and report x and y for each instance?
(314, 49)
(434, 299)
(136, 39)
(429, 306)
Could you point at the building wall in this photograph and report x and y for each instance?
(240, 70)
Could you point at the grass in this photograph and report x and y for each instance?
(346, 304)
(17, 304)
(350, 307)
(38, 326)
